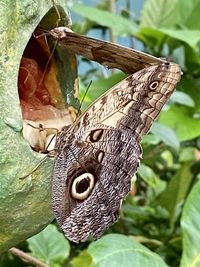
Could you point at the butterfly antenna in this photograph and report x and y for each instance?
(35, 168)
(57, 11)
(48, 62)
(45, 33)
(86, 91)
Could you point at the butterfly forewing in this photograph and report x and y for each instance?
(100, 153)
(134, 102)
(106, 53)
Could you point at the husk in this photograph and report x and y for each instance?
(25, 204)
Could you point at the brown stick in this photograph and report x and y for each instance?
(24, 256)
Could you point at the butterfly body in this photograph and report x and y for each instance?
(99, 154)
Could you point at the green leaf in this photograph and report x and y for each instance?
(50, 246)
(167, 158)
(166, 134)
(178, 55)
(191, 228)
(177, 189)
(119, 24)
(182, 98)
(150, 139)
(190, 85)
(82, 260)
(117, 250)
(151, 37)
(189, 12)
(181, 120)
(160, 13)
(148, 175)
(190, 37)
(156, 185)
(188, 154)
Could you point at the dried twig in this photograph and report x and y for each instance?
(24, 256)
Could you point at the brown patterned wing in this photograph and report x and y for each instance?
(135, 102)
(106, 53)
(91, 177)
(100, 153)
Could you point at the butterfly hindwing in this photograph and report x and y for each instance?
(111, 160)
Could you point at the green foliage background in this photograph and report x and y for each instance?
(160, 219)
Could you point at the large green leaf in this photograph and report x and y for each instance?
(116, 250)
(50, 246)
(119, 24)
(165, 14)
(191, 229)
(160, 14)
(190, 37)
(189, 13)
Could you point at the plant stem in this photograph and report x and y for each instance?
(24, 256)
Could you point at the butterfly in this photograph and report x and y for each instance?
(99, 154)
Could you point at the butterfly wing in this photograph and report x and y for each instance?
(134, 103)
(108, 163)
(106, 53)
(100, 153)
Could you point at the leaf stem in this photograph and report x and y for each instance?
(24, 256)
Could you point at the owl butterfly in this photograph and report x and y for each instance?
(99, 154)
